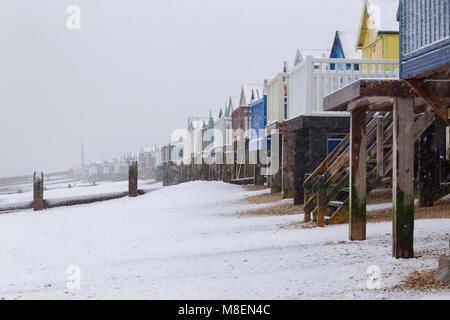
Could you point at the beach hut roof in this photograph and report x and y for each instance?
(251, 92)
(347, 39)
(382, 17)
(301, 54)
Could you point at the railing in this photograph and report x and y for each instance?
(314, 79)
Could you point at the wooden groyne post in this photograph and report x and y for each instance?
(358, 164)
(321, 202)
(133, 179)
(403, 177)
(38, 191)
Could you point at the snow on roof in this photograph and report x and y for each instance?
(251, 92)
(147, 149)
(233, 102)
(195, 123)
(385, 11)
(214, 115)
(287, 66)
(347, 40)
(382, 16)
(301, 54)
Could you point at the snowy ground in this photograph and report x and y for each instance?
(188, 242)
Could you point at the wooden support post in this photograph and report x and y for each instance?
(403, 179)
(259, 179)
(164, 174)
(380, 147)
(321, 202)
(247, 166)
(206, 172)
(307, 195)
(358, 168)
(38, 191)
(133, 179)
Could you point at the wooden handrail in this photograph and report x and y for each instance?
(322, 165)
(334, 173)
(370, 127)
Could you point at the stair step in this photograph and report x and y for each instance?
(345, 189)
(336, 204)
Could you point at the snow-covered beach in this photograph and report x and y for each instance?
(190, 242)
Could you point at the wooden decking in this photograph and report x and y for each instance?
(378, 95)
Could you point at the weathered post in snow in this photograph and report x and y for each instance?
(321, 202)
(403, 179)
(133, 179)
(358, 168)
(182, 173)
(165, 174)
(38, 191)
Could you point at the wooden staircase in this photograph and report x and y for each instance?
(327, 190)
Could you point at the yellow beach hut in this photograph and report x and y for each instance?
(378, 34)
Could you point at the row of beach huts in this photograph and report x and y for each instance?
(369, 112)
(293, 101)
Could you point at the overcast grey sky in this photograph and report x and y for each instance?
(138, 68)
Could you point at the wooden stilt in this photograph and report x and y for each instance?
(133, 179)
(321, 202)
(358, 168)
(38, 191)
(259, 179)
(403, 179)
